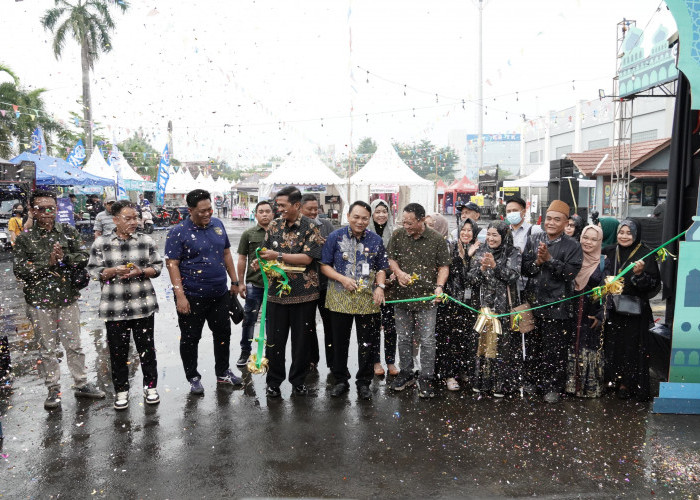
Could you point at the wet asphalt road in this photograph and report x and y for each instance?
(236, 443)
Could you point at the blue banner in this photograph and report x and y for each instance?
(77, 156)
(114, 161)
(163, 176)
(64, 212)
(38, 143)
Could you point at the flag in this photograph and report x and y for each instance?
(38, 143)
(163, 176)
(77, 156)
(114, 160)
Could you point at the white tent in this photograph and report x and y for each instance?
(386, 172)
(177, 183)
(128, 173)
(301, 169)
(97, 165)
(540, 178)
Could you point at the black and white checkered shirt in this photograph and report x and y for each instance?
(125, 299)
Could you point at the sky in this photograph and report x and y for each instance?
(246, 80)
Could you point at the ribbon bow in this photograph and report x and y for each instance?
(613, 286)
(664, 254)
(487, 320)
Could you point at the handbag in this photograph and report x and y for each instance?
(235, 309)
(527, 319)
(627, 305)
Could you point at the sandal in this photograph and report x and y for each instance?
(378, 370)
(393, 371)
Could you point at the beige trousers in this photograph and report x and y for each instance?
(54, 326)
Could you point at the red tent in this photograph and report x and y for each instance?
(459, 190)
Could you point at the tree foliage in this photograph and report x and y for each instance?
(428, 160)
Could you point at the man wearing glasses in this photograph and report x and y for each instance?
(198, 258)
(43, 259)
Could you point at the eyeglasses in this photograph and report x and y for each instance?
(48, 210)
(571, 225)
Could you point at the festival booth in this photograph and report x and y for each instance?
(52, 171)
(307, 172)
(459, 191)
(176, 188)
(386, 176)
(133, 182)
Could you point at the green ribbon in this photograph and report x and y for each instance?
(283, 286)
(594, 291)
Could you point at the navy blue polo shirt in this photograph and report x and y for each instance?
(200, 251)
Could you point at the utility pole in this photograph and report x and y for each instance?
(170, 138)
(480, 88)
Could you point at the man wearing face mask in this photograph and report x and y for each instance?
(551, 261)
(520, 227)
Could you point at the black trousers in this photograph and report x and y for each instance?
(389, 326)
(280, 320)
(547, 349)
(367, 327)
(315, 356)
(118, 338)
(213, 310)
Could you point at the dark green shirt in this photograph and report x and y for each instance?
(48, 286)
(422, 256)
(251, 240)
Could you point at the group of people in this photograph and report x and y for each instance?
(405, 284)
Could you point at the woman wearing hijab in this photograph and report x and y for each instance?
(439, 223)
(609, 227)
(585, 367)
(382, 223)
(626, 337)
(456, 340)
(574, 227)
(496, 270)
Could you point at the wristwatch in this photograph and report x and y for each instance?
(279, 257)
(234, 283)
(381, 285)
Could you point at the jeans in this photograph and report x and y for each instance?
(280, 320)
(416, 324)
(367, 326)
(389, 326)
(213, 310)
(118, 338)
(251, 309)
(59, 325)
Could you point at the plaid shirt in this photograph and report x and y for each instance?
(125, 299)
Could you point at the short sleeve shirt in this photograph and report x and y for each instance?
(422, 256)
(302, 237)
(104, 223)
(251, 240)
(359, 259)
(200, 251)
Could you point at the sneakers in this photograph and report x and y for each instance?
(243, 360)
(425, 388)
(53, 400)
(272, 391)
(402, 380)
(196, 386)
(89, 391)
(452, 384)
(364, 392)
(301, 390)
(339, 389)
(229, 378)
(150, 395)
(121, 402)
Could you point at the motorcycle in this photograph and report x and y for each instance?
(147, 218)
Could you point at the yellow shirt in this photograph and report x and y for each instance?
(15, 225)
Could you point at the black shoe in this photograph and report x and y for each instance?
(530, 389)
(272, 391)
(364, 392)
(402, 380)
(53, 400)
(425, 388)
(301, 390)
(243, 360)
(340, 389)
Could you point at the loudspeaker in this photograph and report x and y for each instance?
(562, 190)
(561, 168)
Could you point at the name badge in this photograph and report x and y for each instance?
(365, 269)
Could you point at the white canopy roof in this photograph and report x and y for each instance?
(302, 168)
(128, 173)
(177, 182)
(387, 168)
(97, 165)
(540, 178)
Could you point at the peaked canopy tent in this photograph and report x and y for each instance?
(459, 191)
(132, 180)
(97, 165)
(52, 171)
(308, 173)
(386, 172)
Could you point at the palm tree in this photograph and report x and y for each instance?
(89, 23)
